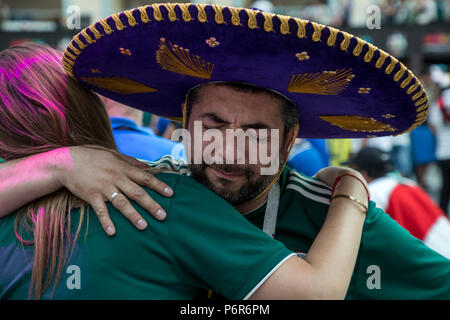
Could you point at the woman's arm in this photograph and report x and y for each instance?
(91, 174)
(326, 271)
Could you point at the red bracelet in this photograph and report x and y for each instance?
(351, 175)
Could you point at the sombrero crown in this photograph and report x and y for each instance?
(344, 87)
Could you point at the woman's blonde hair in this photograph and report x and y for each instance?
(42, 109)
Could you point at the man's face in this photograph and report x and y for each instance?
(229, 170)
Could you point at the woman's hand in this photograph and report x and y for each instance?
(94, 175)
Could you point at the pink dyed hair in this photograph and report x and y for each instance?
(42, 109)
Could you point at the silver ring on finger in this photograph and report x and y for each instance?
(113, 196)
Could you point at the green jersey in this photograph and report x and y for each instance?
(204, 243)
(391, 263)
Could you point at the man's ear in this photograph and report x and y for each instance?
(287, 142)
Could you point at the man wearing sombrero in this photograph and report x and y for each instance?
(341, 86)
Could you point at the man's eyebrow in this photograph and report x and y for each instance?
(214, 117)
(254, 125)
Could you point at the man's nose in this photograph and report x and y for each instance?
(234, 148)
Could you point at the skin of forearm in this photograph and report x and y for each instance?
(26, 179)
(334, 251)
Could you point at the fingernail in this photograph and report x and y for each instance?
(168, 191)
(161, 214)
(110, 231)
(142, 223)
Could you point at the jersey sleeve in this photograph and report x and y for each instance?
(215, 247)
(392, 264)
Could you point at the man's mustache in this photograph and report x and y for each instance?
(231, 168)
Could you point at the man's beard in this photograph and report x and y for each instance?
(254, 186)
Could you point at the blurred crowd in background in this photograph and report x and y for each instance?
(415, 31)
(348, 12)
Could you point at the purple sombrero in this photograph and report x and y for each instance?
(344, 87)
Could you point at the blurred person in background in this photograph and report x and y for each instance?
(339, 150)
(423, 147)
(423, 140)
(403, 199)
(425, 11)
(440, 124)
(398, 147)
(401, 154)
(131, 137)
(306, 158)
(166, 127)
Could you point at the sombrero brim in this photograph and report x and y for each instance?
(344, 87)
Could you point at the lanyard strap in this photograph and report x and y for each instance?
(270, 216)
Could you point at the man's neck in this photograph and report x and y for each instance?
(252, 205)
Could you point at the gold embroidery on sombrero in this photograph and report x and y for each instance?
(370, 52)
(301, 31)
(79, 43)
(422, 114)
(359, 47)
(235, 19)
(332, 37)
(71, 56)
(420, 102)
(201, 13)
(171, 11)
(74, 50)
(93, 70)
(317, 32)
(407, 80)
(268, 22)
(218, 14)
(323, 83)
(179, 60)
(96, 33)
(119, 25)
(302, 56)
(414, 86)
(358, 123)
(364, 90)
(284, 27)
(423, 107)
(391, 66)
(157, 13)
(144, 16)
(125, 51)
(252, 23)
(106, 28)
(119, 85)
(87, 37)
(388, 116)
(212, 42)
(67, 60)
(419, 94)
(346, 42)
(400, 73)
(381, 59)
(131, 20)
(185, 13)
